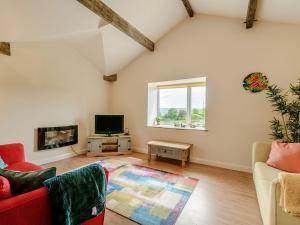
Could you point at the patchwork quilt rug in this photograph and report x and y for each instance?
(144, 195)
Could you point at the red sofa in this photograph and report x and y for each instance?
(32, 208)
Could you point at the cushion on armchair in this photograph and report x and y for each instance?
(5, 191)
(285, 156)
(22, 182)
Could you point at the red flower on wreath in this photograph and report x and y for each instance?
(264, 86)
(254, 85)
(254, 78)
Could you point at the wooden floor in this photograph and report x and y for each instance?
(222, 197)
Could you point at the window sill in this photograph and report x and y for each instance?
(178, 128)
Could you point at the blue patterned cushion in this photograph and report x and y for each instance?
(2, 163)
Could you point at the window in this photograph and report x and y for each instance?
(172, 106)
(179, 104)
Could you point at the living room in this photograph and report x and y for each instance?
(195, 83)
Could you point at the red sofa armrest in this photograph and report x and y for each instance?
(12, 153)
(32, 208)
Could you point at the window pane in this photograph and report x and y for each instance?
(173, 106)
(198, 106)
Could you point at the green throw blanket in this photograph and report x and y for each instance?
(78, 195)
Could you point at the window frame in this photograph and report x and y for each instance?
(189, 87)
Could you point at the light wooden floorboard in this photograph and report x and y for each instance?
(222, 197)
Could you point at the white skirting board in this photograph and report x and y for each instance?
(56, 157)
(208, 162)
(225, 165)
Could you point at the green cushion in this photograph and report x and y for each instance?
(22, 182)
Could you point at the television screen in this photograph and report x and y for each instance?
(109, 124)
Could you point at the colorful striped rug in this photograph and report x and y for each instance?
(144, 195)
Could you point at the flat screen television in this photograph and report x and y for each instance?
(109, 124)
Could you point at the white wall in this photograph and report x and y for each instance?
(48, 84)
(225, 52)
(53, 84)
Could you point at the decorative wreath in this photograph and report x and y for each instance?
(255, 82)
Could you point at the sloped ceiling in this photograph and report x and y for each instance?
(34, 20)
(88, 44)
(105, 46)
(153, 18)
(284, 11)
(38, 20)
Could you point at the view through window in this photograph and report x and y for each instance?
(182, 105)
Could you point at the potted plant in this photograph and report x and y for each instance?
(157, 119)
(286, 128)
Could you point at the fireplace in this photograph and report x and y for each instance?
(56, 137)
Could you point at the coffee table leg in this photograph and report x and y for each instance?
(149, 153)
(183, 163)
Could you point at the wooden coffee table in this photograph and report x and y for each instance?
(168, 149)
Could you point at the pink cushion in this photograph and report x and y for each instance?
(24, 167)
(5, 191)
(285, 156)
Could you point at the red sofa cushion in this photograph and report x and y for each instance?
(5, 191)
(24, 167)
(12, 153)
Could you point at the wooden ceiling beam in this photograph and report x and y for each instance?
(5, 48)
(110, 78)
(102, 10)
(188, 7)
(251, 13)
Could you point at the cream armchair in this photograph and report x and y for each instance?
(268, 188)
